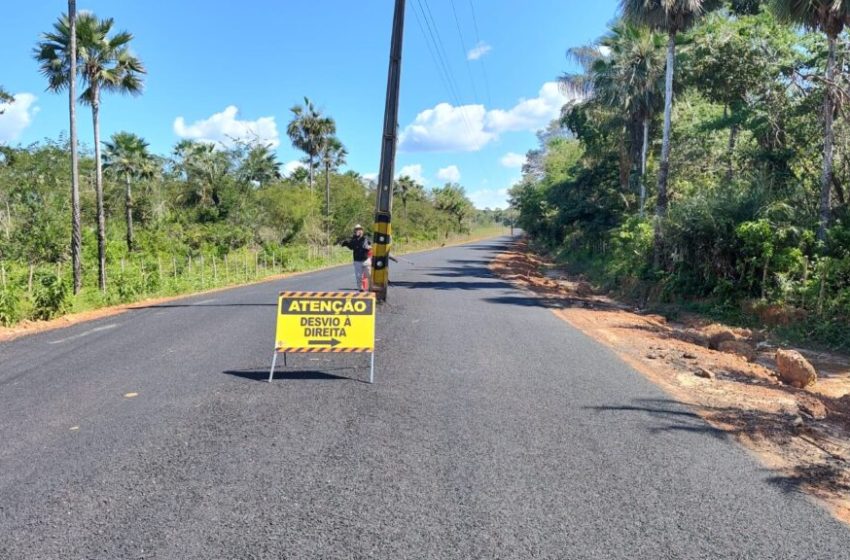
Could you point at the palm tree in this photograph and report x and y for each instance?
(204, 169)
(307, 130)
(630, 78)
(829, 17)
(105, 64)
(58, 56)
(671, 17)
(623, 71)
(333, 157)
(5, 97)
(405, 186)
(127, 155)
(260, 165)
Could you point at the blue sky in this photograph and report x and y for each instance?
(237, 68)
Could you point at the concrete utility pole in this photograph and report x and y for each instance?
(384, 203)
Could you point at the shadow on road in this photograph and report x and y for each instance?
(291, 373)
(448, 285)
(821, 476)
(178, 305)
(677, 417)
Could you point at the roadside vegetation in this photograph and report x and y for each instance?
(705, 163)
(202, 216)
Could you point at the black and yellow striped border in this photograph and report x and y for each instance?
(317, 350)
(352, 295)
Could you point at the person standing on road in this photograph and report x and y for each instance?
(361, 248)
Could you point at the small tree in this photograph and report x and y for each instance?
(127, 156)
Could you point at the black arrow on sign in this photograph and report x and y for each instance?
(331, 342)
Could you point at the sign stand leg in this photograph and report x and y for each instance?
(274, 360)
(372, 368)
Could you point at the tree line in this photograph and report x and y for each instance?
(198, 203)
(728, 118)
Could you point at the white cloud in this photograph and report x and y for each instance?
(489, 198)
(291, 166)
(16, 116)
(468, 128)
(478, 51)
(224, 128)
(414, 171)
(529, 114)
(371, 177)
(450, 174)
(446, 128)
(512, 159)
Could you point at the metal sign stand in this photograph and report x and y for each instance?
(371, 365)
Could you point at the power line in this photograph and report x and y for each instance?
(464, 52)
(434, 59)
(434, 34)
(478, 42)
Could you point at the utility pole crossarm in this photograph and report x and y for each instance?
(384, 202)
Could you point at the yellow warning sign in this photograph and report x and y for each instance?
(325, 322)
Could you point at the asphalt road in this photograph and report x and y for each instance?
(494, 430)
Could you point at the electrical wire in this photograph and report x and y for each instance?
(478, 42)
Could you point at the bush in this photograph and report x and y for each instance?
(10, 311)
(50, 296)
(126, 286)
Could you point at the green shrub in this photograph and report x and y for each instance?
(10, 309)
(50, 296)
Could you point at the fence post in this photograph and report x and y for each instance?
(823, 278)
(215, 271)
(805, 281)
(246, 264)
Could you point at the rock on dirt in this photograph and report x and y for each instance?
(811, 406)
(692, 336)
(717, 334)
(794, 369)
(738, 347)
(705, 373)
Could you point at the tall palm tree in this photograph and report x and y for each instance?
(630, 78)
(671, 17)
(333, 157)
(623, 71)
(830, 18)
(307, 130)
(58, 56)
(127, 155)
(105, 64)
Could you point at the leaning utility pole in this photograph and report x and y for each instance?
(384, 204)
